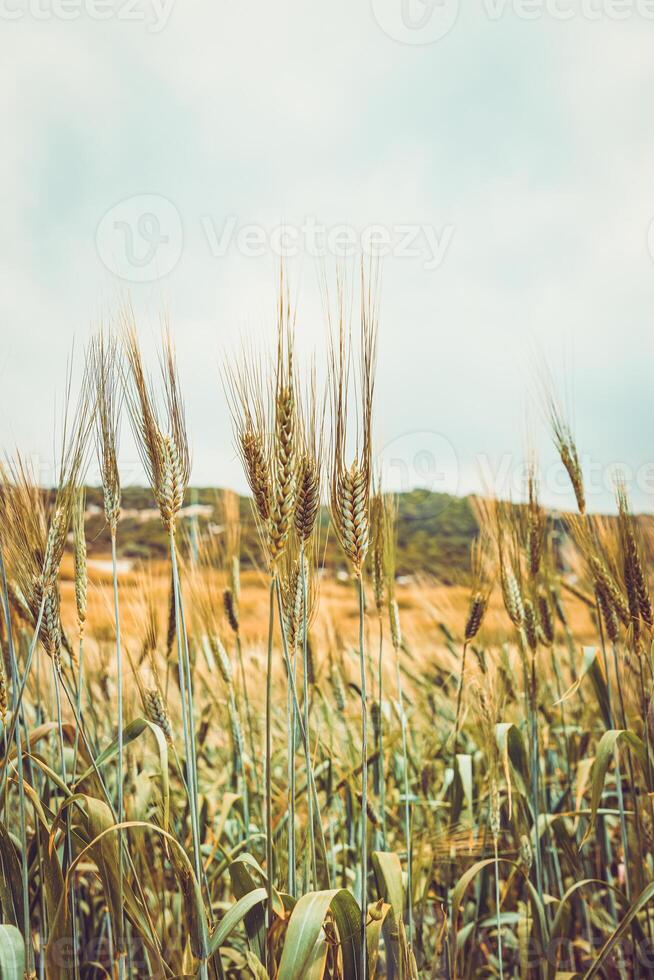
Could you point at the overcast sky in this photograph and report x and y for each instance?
(502, 155)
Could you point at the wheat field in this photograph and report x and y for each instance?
(216, 770)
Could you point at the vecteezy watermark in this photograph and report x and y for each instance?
(141, 238)
(506, 476)
(428, 461)
(153, 13)
(318, 240)
(427, 21)
(423, 460)
(563, 10)
(416, 21)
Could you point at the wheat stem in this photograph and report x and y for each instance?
(268, 779)
(303, 733)
(68, 848)
(530, 701)
(16, 709)
(459, 696)
(618, 776)
(498, 912)
(381, 767)
(119, 761)
(186, 696)
(80, 688)
(364, 778)
(618, 771)
(107, 798)
(305, 681)
(16, 704)
(248, 710)
(407, 801)
(291, 720)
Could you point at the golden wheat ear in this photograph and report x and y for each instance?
(378, 538)
(285, 428)
(247, 401)
(638, 594)
(81, 570)
(105, 371)
(141, 404)
(285, 471)
(536, 522)
(567, 449)
(160, 435)
(350, 485)
(36, 523)
(311, 417)
(482, 584)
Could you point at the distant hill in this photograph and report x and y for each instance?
(434, 531)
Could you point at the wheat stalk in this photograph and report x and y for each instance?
(4, 691)
(34, 533)
(535, 522)
(284, 461)
(162, 442)
(350, 489)
(81, 570)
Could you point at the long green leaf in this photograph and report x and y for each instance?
(12, 953)
(235, 916)
(305, 931)
(390, 883)
(255, 924)
(606, 750)
(52, 877)
(592, 667)
(388, 871)
(468, 877)
(562, 916)
(347, 916)
(379, 913)
(131, 732)
(97, 848)
(317, 961)
(513, 754)
(464, 768)
(12, 896)
(464, 881)
(637, 906)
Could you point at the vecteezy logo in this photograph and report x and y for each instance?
(140, 238)
(416, 21)
(421, 460)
